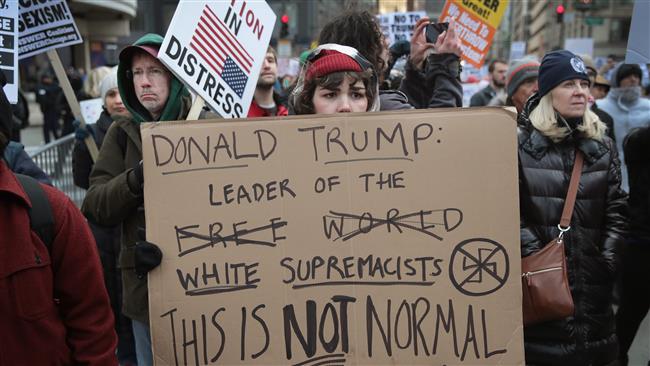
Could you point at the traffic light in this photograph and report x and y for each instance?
(284, 31)
(559, 13)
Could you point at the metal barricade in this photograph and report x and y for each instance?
(55, 159)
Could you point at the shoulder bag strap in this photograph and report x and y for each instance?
(565, 221)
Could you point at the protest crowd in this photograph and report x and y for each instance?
(74, 280)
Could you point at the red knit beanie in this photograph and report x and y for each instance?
(330, 61)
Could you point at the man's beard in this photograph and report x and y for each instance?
(262, 84)
(499, 84)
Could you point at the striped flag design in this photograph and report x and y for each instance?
(214, 42)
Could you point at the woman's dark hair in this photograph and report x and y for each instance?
(6, 117)
(304, 103)
(358, 30)
(4, 141)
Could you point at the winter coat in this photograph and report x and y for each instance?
(82, 163)
(637, 159)
(482, 97)
(626, 117)
(436, 86)
(19, 162)
(110, 200)
(256, 111)
(54, 309)
(598, 225)
(607, 119)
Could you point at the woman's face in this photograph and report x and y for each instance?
(113, 103)
(346, 97)
(570, 98)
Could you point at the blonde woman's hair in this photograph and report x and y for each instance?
(544, 119)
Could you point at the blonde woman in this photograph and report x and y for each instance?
(555, 123)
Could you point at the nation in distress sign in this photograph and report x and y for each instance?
(45, 25)
(9, 47)
(217, 49)
(361, 239)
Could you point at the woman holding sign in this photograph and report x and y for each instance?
(335, 79)
(558, 132)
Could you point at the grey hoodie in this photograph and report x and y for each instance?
(626, 115)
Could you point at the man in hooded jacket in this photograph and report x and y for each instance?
(626, 106)
(151, 93)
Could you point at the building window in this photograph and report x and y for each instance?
(620, 29)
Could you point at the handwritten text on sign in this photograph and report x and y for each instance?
(358, 239)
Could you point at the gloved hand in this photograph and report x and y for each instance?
(81, 133)
(147, 257)
(135, 179)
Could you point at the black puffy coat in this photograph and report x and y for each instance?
(82, 163)
(597, 229)
(636, 147)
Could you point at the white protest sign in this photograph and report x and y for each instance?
(638, 44)
(217, 48)
(399, 26)
(45, 25)
(517, 50)
(581, 46)
(9, 47)
(91, 109)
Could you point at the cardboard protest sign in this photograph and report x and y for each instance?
(45, 25)
(217, 49)
(383, 238)
(399, 26)
(9, 47)
(477, 22)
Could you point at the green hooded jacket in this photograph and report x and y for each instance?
(109, 200)
(127, 91)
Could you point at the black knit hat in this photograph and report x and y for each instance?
(558, 66)
(626, 70)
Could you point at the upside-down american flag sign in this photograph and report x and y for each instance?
(220, 48)
(217, 49)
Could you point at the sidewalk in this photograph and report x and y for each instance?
(32, 136)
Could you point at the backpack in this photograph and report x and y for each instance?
(41, 219)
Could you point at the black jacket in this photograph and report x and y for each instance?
(636, 147)
(436, 86)
(82, 163)
(597, 228)
(606, 118)
(482, 97)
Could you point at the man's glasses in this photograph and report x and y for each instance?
(151, 73)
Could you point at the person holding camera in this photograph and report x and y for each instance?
(432, 71)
